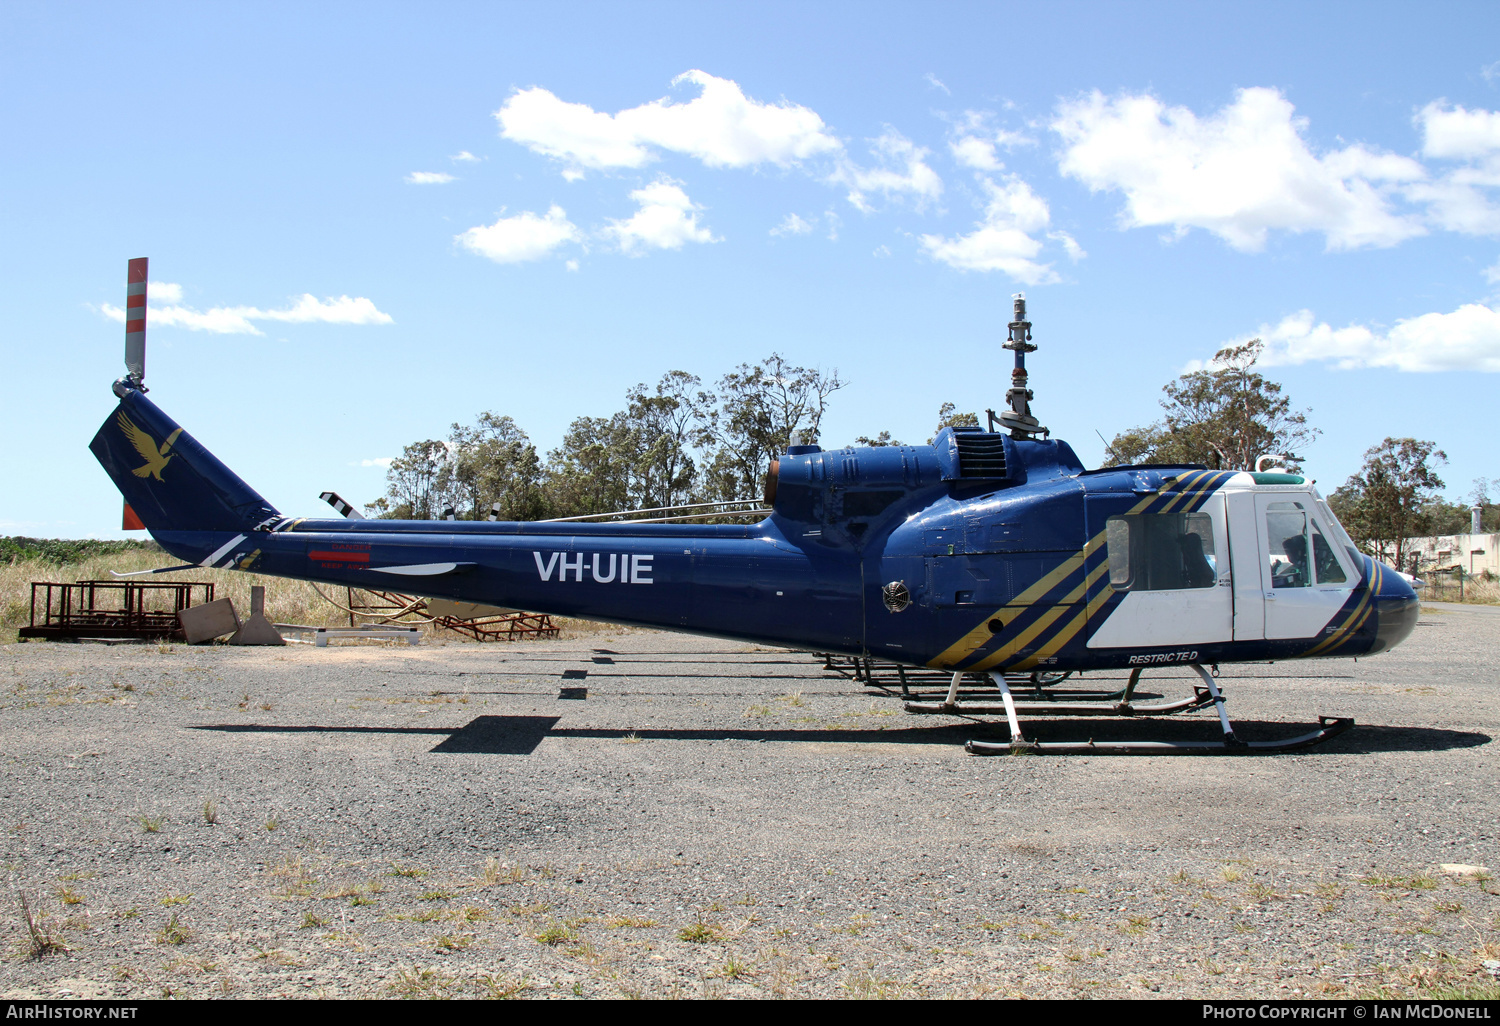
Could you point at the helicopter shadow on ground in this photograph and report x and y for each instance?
(521, 735)
(1360, 739)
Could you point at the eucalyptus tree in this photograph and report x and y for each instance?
(1223, 416)
(760, 410)
(1383, 506)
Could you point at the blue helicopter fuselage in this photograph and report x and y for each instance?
(976, 552)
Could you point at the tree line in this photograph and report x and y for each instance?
(675, 443)
(1228, 414)
(681, 442)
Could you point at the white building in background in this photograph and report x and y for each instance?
(1477, 554)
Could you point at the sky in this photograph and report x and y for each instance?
(366, 222)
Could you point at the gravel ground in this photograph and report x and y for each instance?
(706, 819)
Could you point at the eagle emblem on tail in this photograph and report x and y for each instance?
(156, 459)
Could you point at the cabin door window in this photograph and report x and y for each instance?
(1171, 574)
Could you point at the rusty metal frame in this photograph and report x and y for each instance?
(391, 606)
(65, 612)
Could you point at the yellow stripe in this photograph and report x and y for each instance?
(1343, 629)
(1190, 489)
(1088, 582)
(1182, 492)
(1062, 637)
(1021, 640)
(1362, 608)
(1350, 633)
(976, 638)
(1064, 606)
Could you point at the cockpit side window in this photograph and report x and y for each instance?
(1161, 551)
(1325, 563)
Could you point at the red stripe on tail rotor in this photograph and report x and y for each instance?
(135, 321)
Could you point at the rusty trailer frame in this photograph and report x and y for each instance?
(111, 609)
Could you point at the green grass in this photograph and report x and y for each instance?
(698, 933)
(174, 932)
(64, 552)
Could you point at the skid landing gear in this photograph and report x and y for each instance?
(1328, 726)
(1057, 703)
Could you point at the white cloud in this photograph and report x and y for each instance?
(1458, 200)
(164, 291)
(343, 310)
(526, 236)
(1458, 133)
(571, 265)
(428, 178)
(239, 320)
(975, 144)
(792, 225)
(1467, 339)
(378, 461)
(666, 219)
(1069, 244)
(881, 251)
(1492, 273)
(937, 83)
(721, 127)
(1003, 240)
(903, 171)
(979, 154)
(1239, 173)
(464, 157)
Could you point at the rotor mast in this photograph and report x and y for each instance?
(1018, 418)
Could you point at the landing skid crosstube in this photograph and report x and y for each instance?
(1057, 702)
(1328, 726)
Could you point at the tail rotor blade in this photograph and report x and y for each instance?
(135, 321)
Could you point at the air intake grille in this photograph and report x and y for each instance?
(980, 454)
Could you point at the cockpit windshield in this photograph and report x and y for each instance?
(1341, 536)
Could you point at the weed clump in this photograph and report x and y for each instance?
(698, 933)
(41, 939)
(174, 932)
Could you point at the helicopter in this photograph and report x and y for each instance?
(989, 552)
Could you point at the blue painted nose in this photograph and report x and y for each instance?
(1396, 606)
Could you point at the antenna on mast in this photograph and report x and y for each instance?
(135, 329)
(1018, 418)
